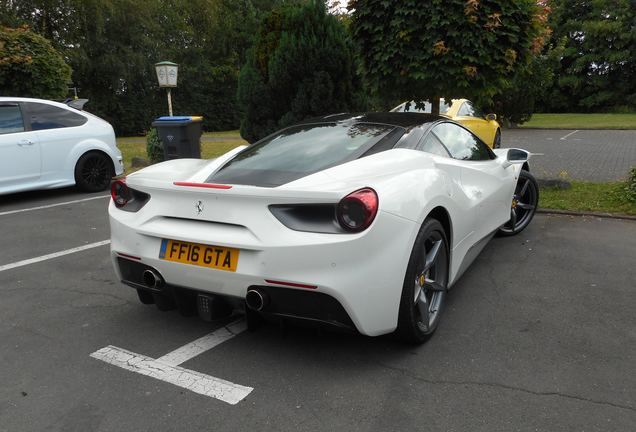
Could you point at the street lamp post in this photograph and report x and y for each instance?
(167, 77)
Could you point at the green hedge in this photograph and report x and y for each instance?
(154, 148)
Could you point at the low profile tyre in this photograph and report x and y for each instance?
(497, 141)
(93, 172)
(524, 205)
(425, 284)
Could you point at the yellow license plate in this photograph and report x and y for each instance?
(216, 257)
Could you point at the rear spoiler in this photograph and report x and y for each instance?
(78, 104)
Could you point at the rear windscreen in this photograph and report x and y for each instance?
(302, 150)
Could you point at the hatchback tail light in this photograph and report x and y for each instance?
(357, 210)
(127, 199)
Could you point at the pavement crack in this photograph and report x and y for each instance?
(506, 387)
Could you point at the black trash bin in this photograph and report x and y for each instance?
(180, 136)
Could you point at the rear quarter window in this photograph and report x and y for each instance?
(43, 116)
(430, 144)
(462, 144)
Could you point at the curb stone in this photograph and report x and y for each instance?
(589, 214)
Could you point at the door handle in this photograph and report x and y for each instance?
(25, 142)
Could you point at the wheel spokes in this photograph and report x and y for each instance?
(431, 285)
(432, 255)
(422, 305)
(513, 218)
(524, 188)
(429, 288)
(525, 206)
(95, 172)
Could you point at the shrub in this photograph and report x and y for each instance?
(630, 188)
(154, 147)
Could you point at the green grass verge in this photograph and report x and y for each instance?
(233, 134)
(588, 197)
(224, 141)
(581, 121)
(130, 148)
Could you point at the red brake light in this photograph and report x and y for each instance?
(203, 185)
(120, 193)
(127, 199)
(357, 210)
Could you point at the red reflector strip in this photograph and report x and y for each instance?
(203, 185)
(291, 284)
(123, 255)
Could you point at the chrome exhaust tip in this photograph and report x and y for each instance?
(256, 299)
(152, 279)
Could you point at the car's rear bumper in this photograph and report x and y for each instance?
(363, 273)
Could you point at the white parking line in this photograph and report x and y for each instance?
(571, 133)
(201, 345)
(53, 205)
(188, 379)
(52, 255)
(166, 368)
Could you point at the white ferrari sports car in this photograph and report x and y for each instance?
(359, 222)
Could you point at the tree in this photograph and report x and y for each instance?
(301, 66)
(30, 66)
(419, 51)
(112, 46)
(598, 67)
(531, 82)
(529, 87)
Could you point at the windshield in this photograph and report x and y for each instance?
(410, 107)
(298, 151)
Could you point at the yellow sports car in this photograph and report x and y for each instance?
(463, 111)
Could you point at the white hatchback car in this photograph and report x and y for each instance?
(46, 145)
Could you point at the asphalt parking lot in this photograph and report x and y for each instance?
(592, 155)
(540, 334)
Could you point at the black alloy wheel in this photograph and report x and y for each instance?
(425, 284)
(523, 206)
(93, 172)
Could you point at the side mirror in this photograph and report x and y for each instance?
(491, 117)
(515, 156)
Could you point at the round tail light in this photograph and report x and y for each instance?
(120, 193)
(357, 210)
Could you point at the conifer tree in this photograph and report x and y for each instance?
(300, 67)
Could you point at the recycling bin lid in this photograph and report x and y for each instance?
(179, 118)
(174, 118)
